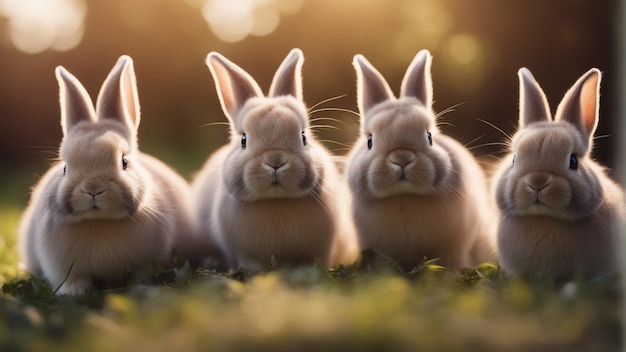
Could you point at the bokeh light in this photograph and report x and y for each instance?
(464, 48)
(465, 55)
(430, 19)
(39, 25)
(234, 20)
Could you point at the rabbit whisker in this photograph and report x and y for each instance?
(445, 123)
(152, 214)
(55, 147)
(44, 149)
(335, 109)
(595, 138)
(508, 211)
(326, 119)
(490, 144)
(335, 142)
(54, 155)
(328, 127)
(54, 160)
(506, 135)
(467, 145)
(217, 123)
(327, 100)
(317, 198)
(454, 190)
(317, 195)
(341, 151)
(448, 110)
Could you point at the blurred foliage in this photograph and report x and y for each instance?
(9, 219)
(363, 307)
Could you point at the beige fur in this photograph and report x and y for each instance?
(557, 220)
(90, 214)
(277, 197)
(411, 199)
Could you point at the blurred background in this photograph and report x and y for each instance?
(477, 48)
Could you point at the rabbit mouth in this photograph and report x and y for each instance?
(534, 204)
(275, 186)
(404, 181)
(282, 187)
(403, 186)
(540, 207)
(90, 206)
(93, 202)
(543, 210)
(542, 194)
(96, 213)
(279, 178)
(277, 192)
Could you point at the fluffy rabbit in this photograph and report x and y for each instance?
(273, 191)
(417, 193)
(104, 210)
(560, 213)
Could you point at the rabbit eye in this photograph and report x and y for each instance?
(124, 162)
(369, 141)
(573, 162)
(513, 159)
(303, 138)
(430, 138)
(64, 169)
(243, 141)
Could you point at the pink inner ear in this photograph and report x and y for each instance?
(225, 90)
(234, 85)
(129, 95)
(589, 103)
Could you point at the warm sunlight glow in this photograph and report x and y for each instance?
(429, 19)
(35, 26)
(38, 25)
(234, 20)
(465, 54)
(464, 48)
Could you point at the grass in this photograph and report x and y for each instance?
(364, 307)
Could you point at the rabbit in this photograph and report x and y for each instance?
(272, 195)
(105, 209)
(560, 214)
(417, 193)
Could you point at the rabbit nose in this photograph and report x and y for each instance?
(537, 181)
(275, 160)
(94, 188)
(402, 157)
(95, 193)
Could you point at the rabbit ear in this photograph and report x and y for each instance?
(533, 105)
(417, 81)
(118, 98)
(288, 77)
(76, 105)
(581, 103)
(234, 85)
(372, 88)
